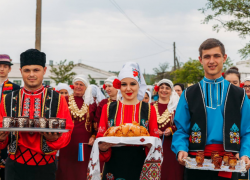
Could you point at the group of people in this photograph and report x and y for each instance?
(212, 115)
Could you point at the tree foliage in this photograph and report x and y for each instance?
(161, 71)
(192, 71)
(62, 72)
(91, 80)
(239, 21)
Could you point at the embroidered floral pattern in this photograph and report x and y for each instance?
(111, 123)
(234, 135)
(142, 139)
(37, 107)
(26, 107)
(195, 136)
(110, 176)
(151, 170)
(136, 73)
(101, 129)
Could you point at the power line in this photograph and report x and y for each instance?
(181, 54)
(128, 59)
(151, 38)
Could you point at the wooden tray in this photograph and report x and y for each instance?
(34, 130)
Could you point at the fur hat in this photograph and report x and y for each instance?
(32, 57)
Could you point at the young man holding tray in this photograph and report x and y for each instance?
(212, 115)
(32, 155)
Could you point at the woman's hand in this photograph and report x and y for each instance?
(160, 132)
(91, 141)
(167, 132)
(103, 146)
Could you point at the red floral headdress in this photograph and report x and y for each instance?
(71, 86)
(104, 86)
(242, 85)
(156, 88)
(117, 84)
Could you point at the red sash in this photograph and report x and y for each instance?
(207, 152)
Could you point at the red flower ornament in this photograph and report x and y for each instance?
(223, 74)
(117, 84)
(104, 86)
(242, 85)
(71, 86)
(58, 91)
(135, 73)
(156, 88)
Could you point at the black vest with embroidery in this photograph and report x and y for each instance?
(144, 114)
(51, 104)
(198, 116)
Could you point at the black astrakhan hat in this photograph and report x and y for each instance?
(32, 57)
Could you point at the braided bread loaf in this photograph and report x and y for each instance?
(127, 130)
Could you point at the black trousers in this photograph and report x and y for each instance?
(17, 171)
(193, 174)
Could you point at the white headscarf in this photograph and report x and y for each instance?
(87, 97)
(132, 70)
(110, 80)
(149, 96)
(247, 79)
(61, 86)
(174, 97)
(96, 92)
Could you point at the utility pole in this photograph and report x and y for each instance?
(38, 24)
(174, 58)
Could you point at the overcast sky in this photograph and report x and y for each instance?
(105, 35)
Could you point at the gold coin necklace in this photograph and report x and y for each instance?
(164, 118)
(75, 111)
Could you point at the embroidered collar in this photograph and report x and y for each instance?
(38, 91)
(213, 80)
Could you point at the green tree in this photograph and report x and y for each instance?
(61, 73)
(192, 71)
(92, 80)
(232, 15)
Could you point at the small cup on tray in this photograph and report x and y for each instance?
(8, 122)
(53, 123)
(232, 161)
(22, 122)
(199, 158)
(43, 122)
(62, 123)
(226, 158)
(214, 154)
(217, 160)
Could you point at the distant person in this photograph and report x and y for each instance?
(63, 89)
(233, 76)
(5, 87)
(147, 97)
(179, 88)
(247, 86)
(97, 94)
(165, 108)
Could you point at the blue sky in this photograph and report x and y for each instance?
(96, 33)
